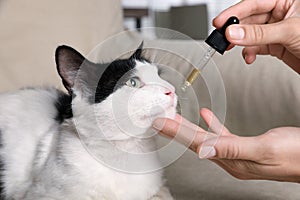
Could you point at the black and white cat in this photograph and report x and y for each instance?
(46, 134)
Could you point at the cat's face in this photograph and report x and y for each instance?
(125, 96)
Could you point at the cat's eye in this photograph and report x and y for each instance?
(134, 82)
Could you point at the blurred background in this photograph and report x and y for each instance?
(31, 30)
(191, 17)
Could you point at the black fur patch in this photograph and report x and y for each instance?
(116, 74)
(112, 77)
(64, 107)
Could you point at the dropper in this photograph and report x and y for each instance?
(217, 42)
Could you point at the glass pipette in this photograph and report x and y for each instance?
(217, 42)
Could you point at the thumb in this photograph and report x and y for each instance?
(230, 147)
(250, 35)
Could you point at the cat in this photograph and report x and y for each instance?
(50, 140)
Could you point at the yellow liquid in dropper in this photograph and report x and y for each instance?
(196, 71)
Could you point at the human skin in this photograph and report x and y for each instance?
(273, 155)
(266, 27)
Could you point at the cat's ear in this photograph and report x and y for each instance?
(68, 62)
(138, 52)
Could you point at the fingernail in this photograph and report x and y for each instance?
(207, 152)
(246, 58)
(236, 32)
(158, 124)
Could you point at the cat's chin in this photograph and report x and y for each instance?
(145, 123)
(139, 127)
(170, 113)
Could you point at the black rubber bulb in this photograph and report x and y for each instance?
(230, 21)
(217, 38)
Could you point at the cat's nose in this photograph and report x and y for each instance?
(169, 93)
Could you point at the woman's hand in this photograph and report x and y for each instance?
(267, 27)
(274, 155)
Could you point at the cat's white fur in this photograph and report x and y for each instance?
(48, 160)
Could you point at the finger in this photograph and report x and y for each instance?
(235, 147)
(256, 19)
(230, 47)
(213, 122)
(257, 50)
(291, 60)
(253, 35)
(273, 50)
(244, 9)
(188, 136)
(249, 53)
(167, 126)
(186, 122)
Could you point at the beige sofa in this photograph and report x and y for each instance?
(251, 99)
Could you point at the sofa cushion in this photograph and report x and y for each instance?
(32, 29)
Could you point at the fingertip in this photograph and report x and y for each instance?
(221, 19)
(207, 115)
(230, 47)
(235, 33)
(216, 22)
(178, 118)
(249, 55)
(249, 59)
(205, 112)
(159, 123)
(207, 152)
(203, 109)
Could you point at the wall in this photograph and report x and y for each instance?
(214, 8)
